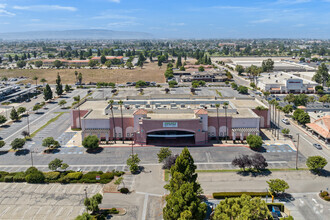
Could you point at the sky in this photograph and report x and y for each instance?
(173, 18)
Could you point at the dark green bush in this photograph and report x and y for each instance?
(105, 181)
(119, 173)
(52, 175)
(324, 193)
(326, 198)
(31, 170)
(35, 177)
(3, 173)
(8, 179)
(113, 211)
(19, 177)
(63, 180)
(124, 190)
(74, 176)
(223, 195)
(107, 176)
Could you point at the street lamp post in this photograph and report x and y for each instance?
(297, 152)
(28, 122)
(86, 197)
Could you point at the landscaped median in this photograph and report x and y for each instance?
(33, 175)
(223, 195)
(45, 125)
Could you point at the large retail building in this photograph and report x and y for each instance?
(171, 119)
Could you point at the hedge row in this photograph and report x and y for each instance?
(223, 195)
(33, 175)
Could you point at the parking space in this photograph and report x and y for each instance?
(128, 182)
(43, 201)
(278, 148)
(71, 150)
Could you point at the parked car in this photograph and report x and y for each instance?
(317, 146)
(285, 121)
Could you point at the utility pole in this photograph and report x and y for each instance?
(31, 158)
(278, 124)
(297, 152)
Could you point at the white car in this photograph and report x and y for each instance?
(285, 121)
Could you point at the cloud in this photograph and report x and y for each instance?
(115, 1)
(4, 12)
(123, 24)
(45, 8)
(261, 21)
(178, 24)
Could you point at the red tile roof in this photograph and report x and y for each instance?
(201, 112)
(319, 129)
(140, 112)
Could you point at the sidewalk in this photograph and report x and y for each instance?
(270, 139)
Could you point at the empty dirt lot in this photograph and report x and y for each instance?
(150, 72)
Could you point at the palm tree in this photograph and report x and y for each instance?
(122, 119)
(225, 106)
(217, 130)
(113, 119)
(36, 79)
(43, 80)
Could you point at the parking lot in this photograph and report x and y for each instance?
(43, 201)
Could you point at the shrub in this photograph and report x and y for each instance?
(52, 175)
(31, 170)
(3, 173)
(113, 211)
(36, 177)
(63, 180)
(105, 181)
(19, 177)
(107, 176)
(119, 173)
(74, 176)
(124, 190)
(223, 195)
(326, 198)
(324, 193)
(8, 178)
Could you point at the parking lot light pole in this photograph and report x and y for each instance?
(297, 152)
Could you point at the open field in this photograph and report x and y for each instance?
(150, 72)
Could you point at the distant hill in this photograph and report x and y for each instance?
(75, 34)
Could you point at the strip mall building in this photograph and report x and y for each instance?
(171, 119)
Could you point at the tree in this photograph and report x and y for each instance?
(55, 164)
(201, 69)
(184, 190)
(234, 85)
(267, 65)
(120, 103)
(21, 110)
(62, 103)
(10, 59)
(80, 78)
(254, 141)
(92, 63)
(243, 207)
(14, 115)
(58, 63)
(49, 142)
(64, 166)
(103, 59)
(113, 119)
(59, 87)
(140, 84)
(84, 216)
(43, 80)
(17, 143)
(322, 74)
(21, 63)
(297, 113)
(48, 94)
(169, 161)
(242, 89)
(178, 62)
(2, 143)
(316, 163)
(325, 99)
(25, 134)
(266, 94)
(277, 185)
(239, 69)
(133, 163)
(91, 142)
(285, 131)
(242, 162)
(301, 99)
(258, 162)
(288, 109)
(304, 118)
(67, 88)
(38, 63)
(3, 119)
(92, 204)
(164, 152)
(129, 65)
(108, 63)
(172, 83)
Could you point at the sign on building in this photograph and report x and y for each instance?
(170, 124)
